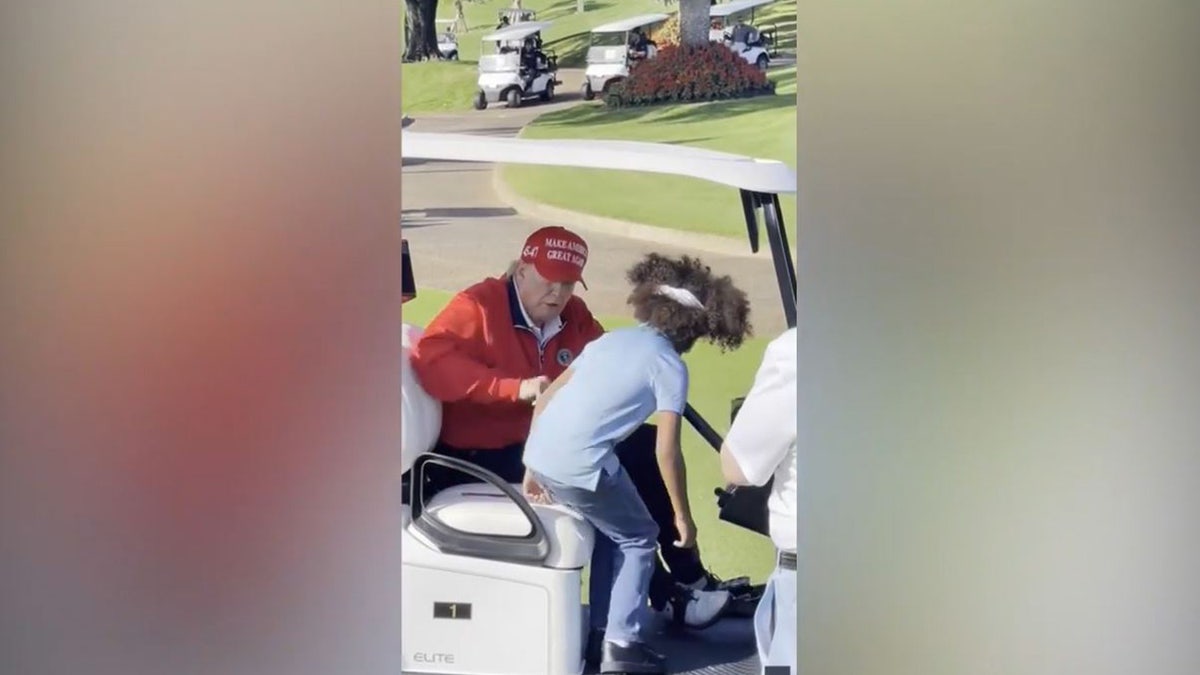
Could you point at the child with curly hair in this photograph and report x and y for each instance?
(616, 383)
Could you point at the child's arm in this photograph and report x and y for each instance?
(674, 473)
(670, 383)
(534, 492)
(544, 398)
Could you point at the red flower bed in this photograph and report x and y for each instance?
(710, 72)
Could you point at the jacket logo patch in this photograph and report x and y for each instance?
(564, 357)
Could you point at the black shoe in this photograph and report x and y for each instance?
(593, 651)
(636, 658)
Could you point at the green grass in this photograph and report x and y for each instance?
(716, 379)
(442, 87)
(762, 127)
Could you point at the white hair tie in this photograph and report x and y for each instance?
(681, 295)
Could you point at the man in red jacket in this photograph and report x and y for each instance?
(489, 354)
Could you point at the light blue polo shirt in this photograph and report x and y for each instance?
(619, 380)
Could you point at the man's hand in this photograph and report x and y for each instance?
(533, 490)
(687, 532)
(532, 388)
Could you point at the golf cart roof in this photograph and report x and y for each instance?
(630, 23)
(518, 31)
(745, 173)
(727, 8)
(516, 12)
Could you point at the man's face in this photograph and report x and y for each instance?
(543, 299)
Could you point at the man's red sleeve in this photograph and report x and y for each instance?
(446, 358)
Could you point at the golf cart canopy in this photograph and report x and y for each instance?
(744, 173)
(760, 181)
(515, 15)
(517, 32)
(726, 9)
(625, 25)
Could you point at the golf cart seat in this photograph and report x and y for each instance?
(480, 509)
(420, 413)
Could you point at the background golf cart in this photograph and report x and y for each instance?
(446, 531)
(447, 39)
(608, 58)
(513, 16)
(500, 76)
(759, 49)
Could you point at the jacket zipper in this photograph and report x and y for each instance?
(540, 349)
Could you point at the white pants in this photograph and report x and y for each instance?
(775, 621)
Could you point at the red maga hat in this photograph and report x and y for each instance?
(557, 254)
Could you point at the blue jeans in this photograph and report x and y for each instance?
(623, 554)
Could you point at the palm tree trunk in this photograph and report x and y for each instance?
(693, 22)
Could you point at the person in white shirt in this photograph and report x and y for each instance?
(762, 444)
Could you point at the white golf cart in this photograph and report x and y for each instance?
(730, 26)
(511, 73)
(447, 39)
(492, 583)
(611, 52)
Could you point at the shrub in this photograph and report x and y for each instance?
(668, 33)
(709, 72)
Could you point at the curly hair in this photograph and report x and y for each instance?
(724, 319)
